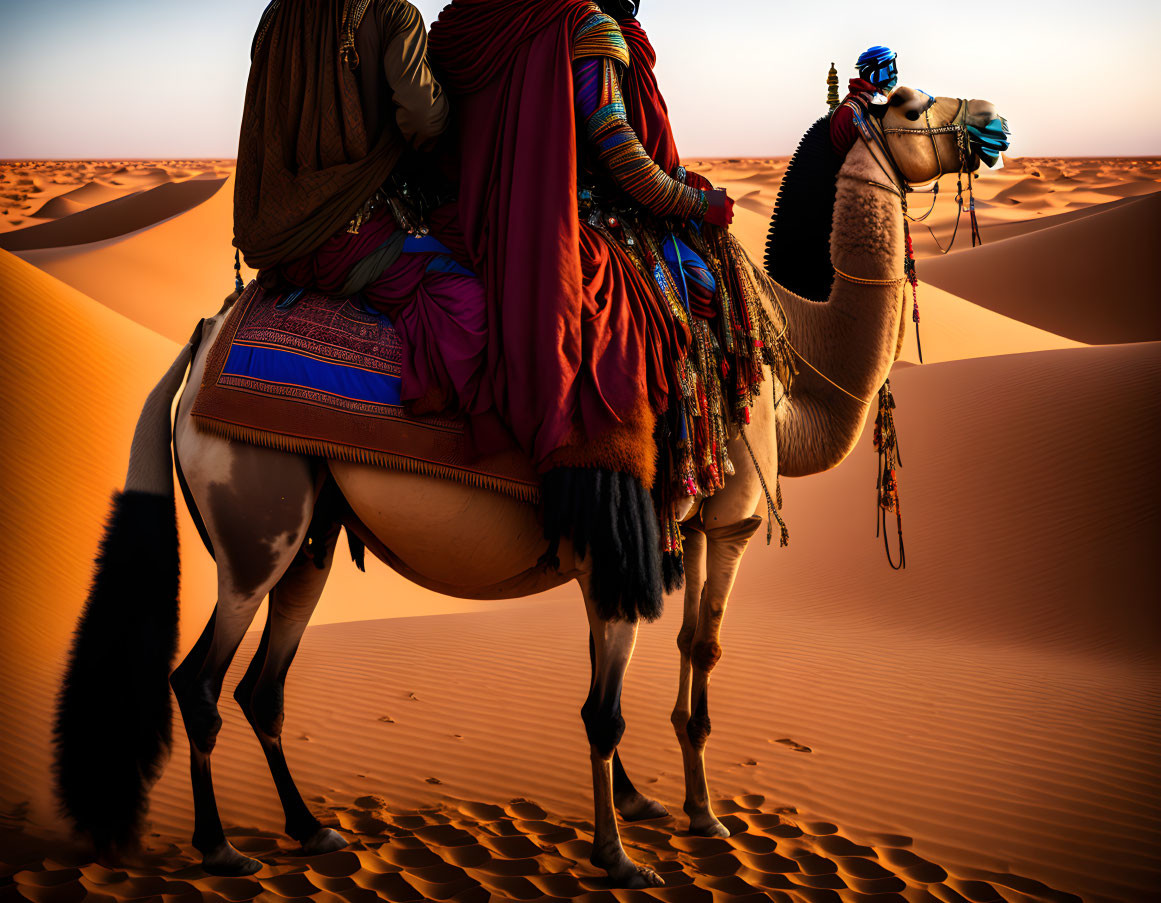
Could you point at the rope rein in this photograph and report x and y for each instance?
(771, 508)
(859, 280)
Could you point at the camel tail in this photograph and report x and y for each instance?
(113, 718)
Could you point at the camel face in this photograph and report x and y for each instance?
(926, 134)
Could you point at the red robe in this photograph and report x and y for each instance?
(644, 105)
(843, 131)
(580, 354)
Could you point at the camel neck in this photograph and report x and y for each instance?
(852, 337)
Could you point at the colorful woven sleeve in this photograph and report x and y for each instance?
(602, 113)
(599, 35)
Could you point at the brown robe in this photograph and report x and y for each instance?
(323, 130)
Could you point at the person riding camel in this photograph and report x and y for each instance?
(566, 162)
(340, 108)
(867, 94)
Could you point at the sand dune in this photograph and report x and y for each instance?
(1089, 279)
(167, 277)
(28, 190)
(113, 218)
(74, 377)
(952, 329)
(88, 195)
(999, 231)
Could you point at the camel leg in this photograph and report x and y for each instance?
(696, 789)
(714, 556)
(631, 804)
(612, 646)
(260, 691)
(257, 518)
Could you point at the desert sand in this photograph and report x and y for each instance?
(982, 726)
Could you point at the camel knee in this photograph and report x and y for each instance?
(685, 639)
(680, 719)
(603, 725)
(706, 654)
(199, 710)
(263, 706)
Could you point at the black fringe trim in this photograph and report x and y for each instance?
(798, 243)
(609, 516)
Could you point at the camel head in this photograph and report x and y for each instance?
(933, 136)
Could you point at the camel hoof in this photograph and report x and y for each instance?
(707, 826)
(624, 873)
(640, 808)
(643, 877)
(324, 841)
(226, 862)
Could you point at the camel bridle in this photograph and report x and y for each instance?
(957, 126)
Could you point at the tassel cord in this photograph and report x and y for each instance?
(770, 506)
(886, 442)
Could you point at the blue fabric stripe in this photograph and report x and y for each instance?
(684, 262)
(424, 244)
(280, 366)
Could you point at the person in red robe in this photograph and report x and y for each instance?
(583, 351)
(866, 95)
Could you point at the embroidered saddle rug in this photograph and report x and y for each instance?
(313, 375)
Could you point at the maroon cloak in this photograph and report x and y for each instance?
(644, 106)
(580, 354)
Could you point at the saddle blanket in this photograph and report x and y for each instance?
(313, 375)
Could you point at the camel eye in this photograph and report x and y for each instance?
(913, 115)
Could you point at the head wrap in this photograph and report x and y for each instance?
(877, 65)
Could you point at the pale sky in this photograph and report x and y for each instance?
(136, 79)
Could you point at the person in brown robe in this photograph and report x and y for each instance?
(340, 102)
(339, 91)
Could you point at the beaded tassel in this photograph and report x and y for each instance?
(976, 238)
(238, 284)
(912, 277)
(887, 488)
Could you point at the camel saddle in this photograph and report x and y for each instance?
(313, 375)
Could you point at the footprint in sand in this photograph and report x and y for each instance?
(386, 719)
(791, 744)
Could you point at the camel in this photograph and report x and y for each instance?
(258, 505)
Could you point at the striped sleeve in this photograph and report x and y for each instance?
(602, 112)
